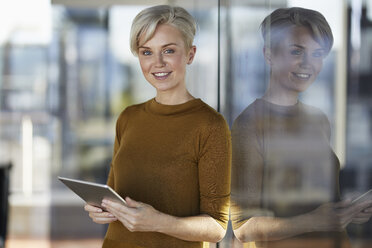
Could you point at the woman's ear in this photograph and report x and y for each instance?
(267, 54)
(191, 55)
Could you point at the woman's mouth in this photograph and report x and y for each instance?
(302, 76)
(161, 75)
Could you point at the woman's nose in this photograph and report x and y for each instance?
(159, 60)
(305, 60)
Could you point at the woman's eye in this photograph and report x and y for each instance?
(296, 52)
(146, 52)
(317, 54)
(169, 51)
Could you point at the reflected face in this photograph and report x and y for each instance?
(296, 61)
(164, 57)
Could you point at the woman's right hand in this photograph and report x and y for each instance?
(98, 215)
(335, 216)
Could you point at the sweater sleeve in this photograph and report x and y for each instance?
(214, 171)
(247, 172)
(111, 178)
(120, 123)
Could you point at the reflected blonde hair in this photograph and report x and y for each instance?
(145, 23)
(274, 27)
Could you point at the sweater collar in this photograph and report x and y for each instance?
(154, 107)
(280, 109)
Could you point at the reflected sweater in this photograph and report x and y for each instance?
(283, 166)
(175, 158)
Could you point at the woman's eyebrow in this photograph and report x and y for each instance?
(168, 44)
(296, 45)
(302, 47)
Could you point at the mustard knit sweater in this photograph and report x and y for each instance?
(283, 166)
(175, 158)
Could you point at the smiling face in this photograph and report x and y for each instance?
(163, 59)
(296, 61)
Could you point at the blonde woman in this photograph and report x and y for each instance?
(285, 173)
(172, 153)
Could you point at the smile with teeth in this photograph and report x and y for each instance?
(302, 75)
(161, 74)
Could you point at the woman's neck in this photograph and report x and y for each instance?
(173, 98)
(280, 96)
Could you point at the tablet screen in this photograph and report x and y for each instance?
(92, 193)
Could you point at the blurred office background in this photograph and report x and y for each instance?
(66, 72)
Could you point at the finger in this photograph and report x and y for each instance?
(367, 210)
(106, 216)
(362, 215)
(343, 204)
(104, 220)
(354, 209)
(117, 207)
(124, 218)
(360, 220)
(91, 208)
(132, 203)
(362, 206)
(101, 215)
(127, 224)
(119, 213)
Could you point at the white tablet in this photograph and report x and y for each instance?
(92, 193)
(363, 198)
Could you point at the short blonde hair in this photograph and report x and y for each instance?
(145, 23)
(274, 26)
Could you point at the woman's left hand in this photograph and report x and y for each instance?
(363, 216)
(135, 216)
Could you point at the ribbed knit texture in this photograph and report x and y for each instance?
(283, 166)
(175, 158)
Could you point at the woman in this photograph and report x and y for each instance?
(172, 153)
(284, 170)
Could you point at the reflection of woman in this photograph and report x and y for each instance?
(284, 170)
(171, 153)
